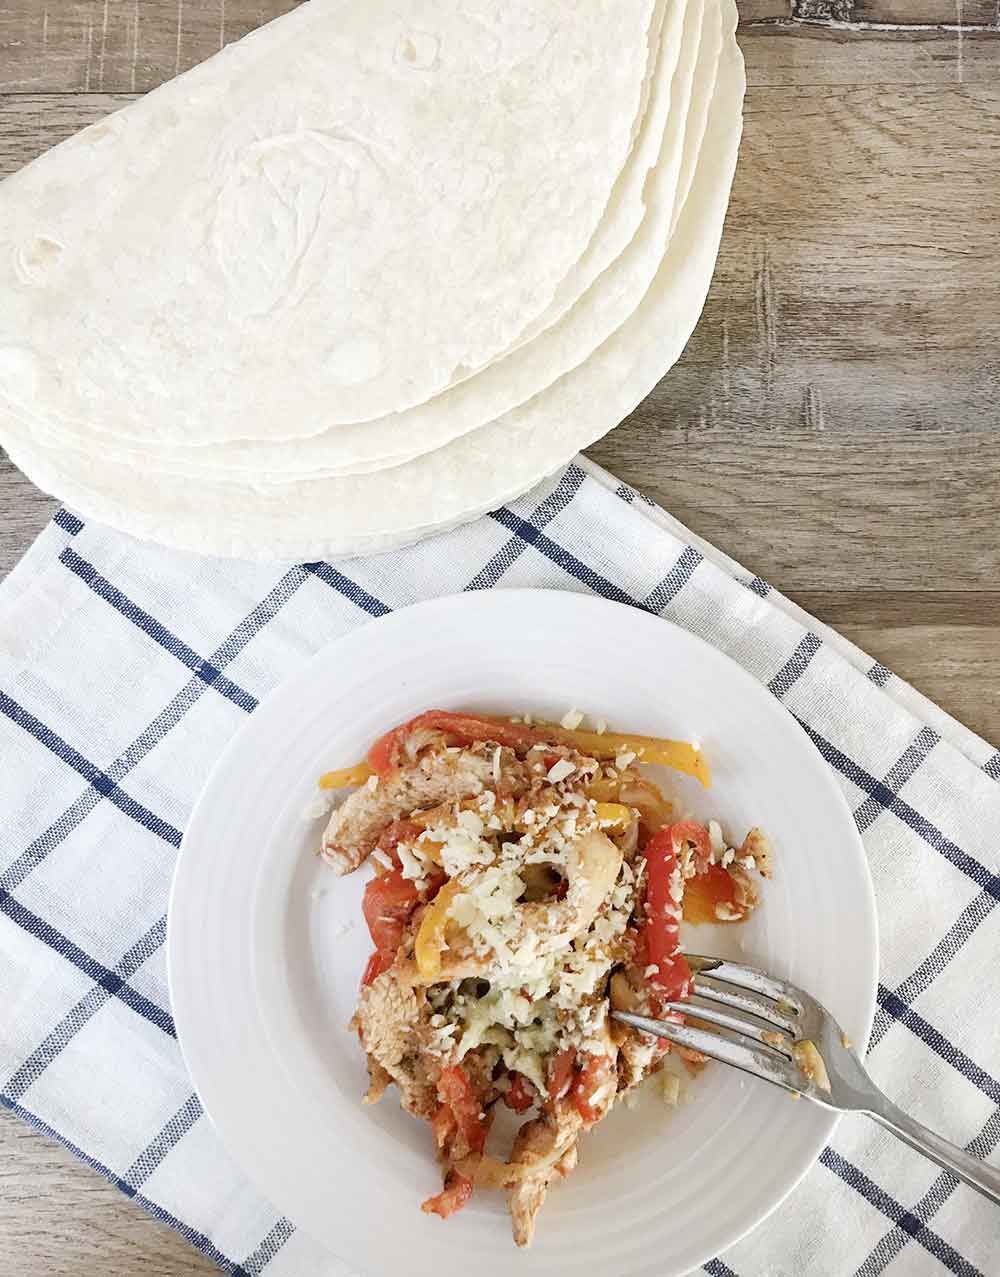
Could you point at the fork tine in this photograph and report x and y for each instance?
(737, 1050)
(703, 1008)
(747, 978)
(773, 1014)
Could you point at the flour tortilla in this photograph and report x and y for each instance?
(514, 380)
(366, 514)
(324, 224)
(505, 383)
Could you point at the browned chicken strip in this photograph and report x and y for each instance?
(436, 777)
(391, 1018)
(547, 1143)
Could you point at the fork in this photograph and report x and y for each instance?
(775, 1031)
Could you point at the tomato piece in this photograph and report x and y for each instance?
(587, 1084)
(561, 1073)
(444, 1126)
(520, 1095)
(458, 1093)
(663, 916)
(457, 1191)
(387, 904)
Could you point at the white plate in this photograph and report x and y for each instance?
(266, 945)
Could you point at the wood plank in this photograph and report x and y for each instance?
(804, 54)
(127, 46)
(823, 510)
(31, 123)
(914, 12)
(764, 10)
(133, 45)
(946, 643)
(61, 1219)
(24, 511)
(956, 666)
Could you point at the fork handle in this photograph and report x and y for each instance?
(970, 1170)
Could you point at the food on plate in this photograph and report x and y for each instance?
(528, 878)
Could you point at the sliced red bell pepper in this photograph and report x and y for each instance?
(386, 754)
(690, 831)
(387, 904)
(380, 961)
(672, 978)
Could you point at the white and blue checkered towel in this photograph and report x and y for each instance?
(124, 669)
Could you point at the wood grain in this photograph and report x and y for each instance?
(61, 1220)
(24, 511)
(832, 424)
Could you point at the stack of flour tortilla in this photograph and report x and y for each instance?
(370, 272)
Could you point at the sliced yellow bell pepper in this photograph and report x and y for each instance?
(429, 943)
(681, 755)
(614, 815)
(347, 777)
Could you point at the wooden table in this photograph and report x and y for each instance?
(833, 424)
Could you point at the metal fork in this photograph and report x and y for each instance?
(774, 1030)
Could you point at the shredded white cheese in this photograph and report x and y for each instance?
(560, 770)
(571, 720)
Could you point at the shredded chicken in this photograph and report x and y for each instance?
(541, 1146)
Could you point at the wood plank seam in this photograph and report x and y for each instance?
(876, 28)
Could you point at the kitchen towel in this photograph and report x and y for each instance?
(124, 670)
